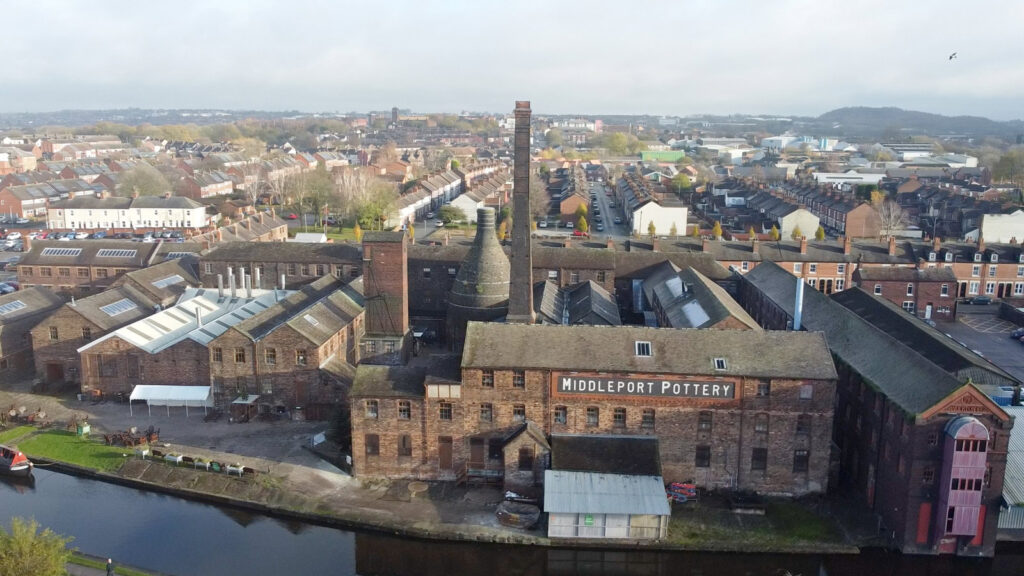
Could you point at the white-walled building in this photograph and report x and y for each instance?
(102, 212)
(1000, 228)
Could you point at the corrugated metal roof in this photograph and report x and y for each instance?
(589, 492)
(1013, 478)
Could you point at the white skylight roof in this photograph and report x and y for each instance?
(169, 281)
(114, 253)
(11, 307)
(119, 307)
(61, 251)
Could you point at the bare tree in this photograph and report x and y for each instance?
(540, 202)
(891, 217)
(252, 180)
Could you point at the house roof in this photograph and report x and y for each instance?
(611, 349)
(898, 371)
(388, 381)
(612, 454)
(113, 253)
(582, 303)
(893, 274)
(20, 312)
(595, 493)
(689, 299)
(332, 253)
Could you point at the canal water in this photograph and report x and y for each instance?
(181, 537)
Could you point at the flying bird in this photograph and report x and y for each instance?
(953, 55)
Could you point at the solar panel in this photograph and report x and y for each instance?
(61, 251)
(311, 320)
(171, 255)
(119, 307)
(113, 253)
(170, 280)
(11, 307)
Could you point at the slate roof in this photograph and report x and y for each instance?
(690, 300)
(287, 308)
(92, 202)
(898, 371)
(585, 302)
(331, 253)
(158, 282)
(20, 312)
(611, 349)
(140, 253)
(388, 381)
(634, 455)
(934, 345)
(892, 274)
(90, 307)
(159, 202)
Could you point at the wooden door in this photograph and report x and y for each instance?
(444, 452)
(476, 453)
(54, 373)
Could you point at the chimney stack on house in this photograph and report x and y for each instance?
(248, 286)
(803, 244)
(981, 244)
(705, 244)
(257, 277)
(847, 245)
(655, 245)
(936, 244)
(220, 286)
(231, 285)
(892, 245)
(610, 244)
(520, 306)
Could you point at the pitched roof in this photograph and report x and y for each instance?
(582, 303)
(388, 381)
(893, 274)
(898, 371)
(611, 349)
(331, 253)
(113, 253)
(636, 455)
(20, 312)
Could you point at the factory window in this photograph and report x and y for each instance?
(702, 457)
(445, 411)
(487, 379)
(720, 364)
(561, 415)
(647, 418)
(271, 356)
(54, 335)
(426, 273)
(404, 445)
(910, 289)
(208, 267)
(761, 423)
(218, 355)
(519, 412)
(389, 346)
(371, 346)
(404, 410)
(86, 333)
(806, 392)
(372, 445)
(519, 379)
(320, 271)
(933, 438)
(764, 388)
(300, 357)
(525, 459)
(593, 416)
(801, 459)
(486, 412)
(64, 272)
(878, 289)
(240, 355)
(553, 275)
(452, 272)
(759, 459)
(305, 270)
(704, 421)
(495, 449)
(798, 267)
(83, 272)
(372, 408)
(574, 277)
(642, 348)
(619, 417)
(803, 424)
(46, 272)
(600, 276)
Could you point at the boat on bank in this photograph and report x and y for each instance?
(13, 462)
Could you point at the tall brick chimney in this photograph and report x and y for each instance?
(803, 244)
(847, 245)
(386, 293)
(981, 244)
(936, 244)
(520, 302)
(892, 245)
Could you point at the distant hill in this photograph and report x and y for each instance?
(884, 123)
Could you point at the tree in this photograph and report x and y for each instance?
(455, 165)
(412, 234)
(751, 233)
(819, 234)
(581, 210)
(696, 231)
(582, 225)
(26, 550)
(797, 233)
(449, 214)
(774, 233)
(681, 182)
(716, 230)
(877, 197)
(250, 148)
(891, 217)
(143, 180)
(651, 228)
(503, 230)
(357, 231)
(312, 189)
(554, 137)
(540, 202)
(674, 231)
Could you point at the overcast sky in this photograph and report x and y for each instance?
(783, 57)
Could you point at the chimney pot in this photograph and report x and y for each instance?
(220, 286)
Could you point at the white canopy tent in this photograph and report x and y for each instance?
(172, 396)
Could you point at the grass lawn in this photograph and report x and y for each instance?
(12, 434)
(333, 232)
(785, 523)
(64, 446)
(102, 565)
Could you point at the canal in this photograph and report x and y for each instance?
(175, 536)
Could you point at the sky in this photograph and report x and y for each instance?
(779, 57)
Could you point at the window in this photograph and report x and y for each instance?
(976, 270)
(931, 256)
(64, 272)
(404, 445)
(702, 457)
(304, 269)
(840, 282)
(806, 392)
(647, 419)
(949, 256)
(27, 270)
(218, 355)
(928, 475)
(54, 335)
(426, 273)
(798, 267)
(803, 424)
(878, 289)
(764, 388)
(800, 460)
(840, 268)
(300, 357)
(933, 438)
(1018, 289)
(525, 459)
(452, 272)
(320, 270)
(102, 273)
(371, 346)
(240, 355)
(992, 271)
(619, 418)
(271, 356)
(908, 305)
(561, 415)
(86, 333)
(720, 364)
(593, 416)
(519, 412)
(944, 290)
(404, 410)
(553, 275)
(813, 282)
(812, 268)
(642, 348)
(495, 449)
(389, 346)
(977, 257)
(372, 408)
(600, 276)
(1020, 271)
(704, 421)
(445, 411)
(759, 459)
(486, 412)
(372, 445)
(487, 379)
(973, 288)
(910, 289)
(519, 379)
(574, 277)
(83, 272)
(990, 288)
(761, 423)
(993, 258)
(46, 272)
(291, 269)
(745, 266)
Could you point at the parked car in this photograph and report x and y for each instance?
(599, 227)
(177, 234)
(542, 224)
(980, 300)
(81, 235)
(430, 215)
(99, 234)
(6, 288)
(331, 221)
(292, 216)
(14, 235)
(1017, 334)
(438, 223)
(580, 233)
(618, 220)
(21, 220)
(568, 225)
